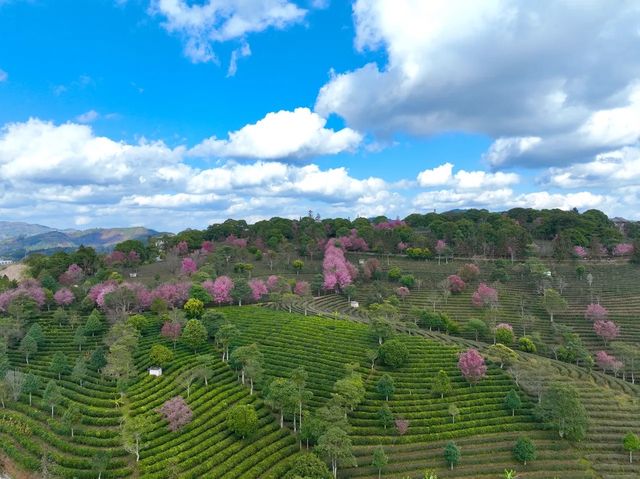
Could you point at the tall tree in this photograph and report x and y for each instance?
(561, 407)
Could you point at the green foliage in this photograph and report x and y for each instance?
(94, 323)
(441, 384)
(451, 454)
(138, 321)
(194, 308)
(385, 386)
(242, 420)
(394, 353)
(308, 466)
(385, 416)
(553, 302)
(394, 274)
(501, 354)
(527, 345)
(524, 450)
(59, 364)
(631, 443)
(560, 406)
(380, 459)
(198, 292)
(408, 280)
(160, 355)
(512, 401)
(194, 334)
(505, 336)
(478, 328)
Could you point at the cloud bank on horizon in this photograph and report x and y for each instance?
(553, 88)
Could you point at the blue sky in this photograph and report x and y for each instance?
(176, 113)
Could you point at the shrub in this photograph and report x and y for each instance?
(242, 420)
(527, 345)
(394, 353)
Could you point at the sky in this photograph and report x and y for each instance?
(179, 113)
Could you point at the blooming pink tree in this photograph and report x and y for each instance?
(182, 248)
(188, 267)
(402, 246)
(171, 331)
(596, 312)
(472, 365)
(221, 290)
(175, 295)
(606, 330)
(28, 288)
(402, 292)
(580, 252)
(302, 288)
(233, 240)
(456, 284)
(441, 248)
(335, 268)
(207, 247)
(469, 272)
(273, 283)
(73, 275)
(98, 292)
(390, 225)
(608, 362)
(177, 412)
(623, 249)
(133, 259)
(485, 297)
(258, 289)
(353, 242)
(115, 258)
(371, 268)
(402, 426)
(63, 297)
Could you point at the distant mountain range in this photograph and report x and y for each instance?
(18, 239)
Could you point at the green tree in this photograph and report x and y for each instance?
(311, 430)
(336, 446)
(198, 292)
(298, 264)
(380, 459)
(160, 355)
(299, 379)
(226, 333)
(31, 385)
(100, 463)
(194, 334)
(385, 416)
(512, 401)
(28, 347)
(477, 327)
(394, 353)
(242, 420)
(36, 332)
(452, 454)
(524, 450)
(4, 359)
(561, 407)
(249, 360)
(281, 396)
(441, 384)
(98, 359)
(553, 302)
(631, 443)
(71, 418)
(52, 396)
(349, 391)
(94, 323)
(385, 386)
(381, 329)
(501, 354)
(308, 466)
(240, 291)
(80, 337)
(134, 431)
(193, 308)
(79, 371)
(453, 412)
(59, 364)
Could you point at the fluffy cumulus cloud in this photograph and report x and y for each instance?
(281, 135)
(465, 180)
(57, 173)
(202, 24)
(547, 89)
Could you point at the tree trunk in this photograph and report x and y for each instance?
(281, 419)
(30, 403)
(52, 410)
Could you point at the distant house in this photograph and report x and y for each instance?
(4, 262)
(361, 261)
(133, 275)
(157, 372)
(355, 304)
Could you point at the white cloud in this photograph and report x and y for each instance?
(4, 76)
(243, 51)
(88, 117)
(281, 135)
(465, 180)
(531, 74)
(211, 21)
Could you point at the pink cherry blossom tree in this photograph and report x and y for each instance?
(623, 249)
(472, 366)
(221, 290)
(302, 288)
(402, 246)
(353, 242)
(233, 240)
(171, 330)
(73, 275)
(207, 247)
(402, 426)
(258, 289)
(596, 312)
(115, 258)
(606, 330)
(402, 292)
(335, 267)
(182, 248)
(177, 413)
(608, 362)
(63, 297)
(188, 266)
(580, 252)
(441, 248)
(485, 297)
(456, 284)
(469, 272)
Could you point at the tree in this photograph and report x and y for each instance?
(94, 323)
(177, 413)
(441, 384)
(501, 354)
(336, 446)
(98, 359)
(606, 330)
(281, 395)
(451, 454)
(59, 364)
(349, 391)
(631, 443)
(561, 407)
(385, 386)
(596, 312)
(193, 308)
(241, 291)
(52, 396)
(226, 333)
(394, 353)
(512, 401)
(134, 430)
(220, 289)
(100, 463)
(504, 334)
(31, 385)
(553, 302)
(312, 428)
(249, 360)
(308, 466)
(299, 378)
(372, 356)
(79, 371)
(160, 355)
(381, 328)
(524, 450)
(171, 330)
(15, 380)
(453, 412)
(380, 459)
(194, 334)
(72, 417)
(28, 347)
(242, 420)
(188, 266)
(385, 416)
(472, 366)
(80, 337)
(297, 264)
(60, 316)
(477, 327)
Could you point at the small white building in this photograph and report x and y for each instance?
(361, 261)
(355, 304)
(133, 275)
(157, 372)
(4, 262)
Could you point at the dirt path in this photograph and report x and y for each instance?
(14, 271)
